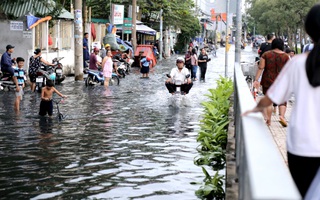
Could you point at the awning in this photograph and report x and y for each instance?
(18, 9)
(140, 28)
(145, 29)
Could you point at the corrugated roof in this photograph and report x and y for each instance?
(33, 7)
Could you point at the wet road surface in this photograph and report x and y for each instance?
(124, 142)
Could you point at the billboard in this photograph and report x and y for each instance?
(117, 14)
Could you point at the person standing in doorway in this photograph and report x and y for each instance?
(203, 59)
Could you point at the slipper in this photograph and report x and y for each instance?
(283, 122)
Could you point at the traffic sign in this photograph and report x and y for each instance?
(127, 25)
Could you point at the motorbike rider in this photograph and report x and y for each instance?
(179, 73)
(7, 62)
(94, 63)
(34, 65)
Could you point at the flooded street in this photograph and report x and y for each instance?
(124, 142)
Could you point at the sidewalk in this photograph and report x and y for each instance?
(279, 132)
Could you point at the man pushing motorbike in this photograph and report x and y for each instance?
(179, 74)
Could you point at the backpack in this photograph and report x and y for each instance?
(35, 64)
(264, 47)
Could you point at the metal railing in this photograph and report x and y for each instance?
(261, 170)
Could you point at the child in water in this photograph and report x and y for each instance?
(46, 105)
(145, 67)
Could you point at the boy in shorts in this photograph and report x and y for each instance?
(46, 105)
(20, 75)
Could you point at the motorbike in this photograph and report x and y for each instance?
(95, 77)
(6, 82)
(43, 74)
(123, 65)
(121, 68)
(58, 69)
(178, 98)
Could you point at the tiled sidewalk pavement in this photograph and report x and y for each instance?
(279, 132)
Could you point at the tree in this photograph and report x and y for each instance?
(282, 17)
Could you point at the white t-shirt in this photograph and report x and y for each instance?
(303, 138)
(176, 75)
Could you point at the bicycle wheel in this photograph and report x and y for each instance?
(114, 80)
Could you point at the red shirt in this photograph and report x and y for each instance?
(274, 62)
(93, 62)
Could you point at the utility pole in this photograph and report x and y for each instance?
(134, 22)
(160, 41)
(238, 33)
(226, 53)
(78, 40)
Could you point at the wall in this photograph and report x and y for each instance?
(21, 39)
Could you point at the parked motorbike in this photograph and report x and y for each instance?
(96, 77)
(121, 68)
(58, 69)
(43, 74)
(6, 82)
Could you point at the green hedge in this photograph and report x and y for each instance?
(213, 138)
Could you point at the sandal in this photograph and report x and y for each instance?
(283, 122)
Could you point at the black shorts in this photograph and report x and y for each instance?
(46, 107)
(144, 70)
(32, 78)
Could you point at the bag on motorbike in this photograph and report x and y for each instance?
(111, 39)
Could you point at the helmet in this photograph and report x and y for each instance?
(107, 45)
(148, 59)
(180, 59)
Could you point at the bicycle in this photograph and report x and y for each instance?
(60, 115)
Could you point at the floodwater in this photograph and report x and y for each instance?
(124, 142)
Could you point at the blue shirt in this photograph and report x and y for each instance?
(144, 62)
(86, 55)
(6, 61)
(20, 74)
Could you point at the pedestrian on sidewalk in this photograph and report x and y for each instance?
(203, 59)
(300, 77)
(271, 63)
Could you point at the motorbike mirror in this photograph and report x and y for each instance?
(187, 76)
(168, 75)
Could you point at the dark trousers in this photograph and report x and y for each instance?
(184, 88)
(303, 170)
(203, 70)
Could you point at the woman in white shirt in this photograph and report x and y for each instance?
(301, 77)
